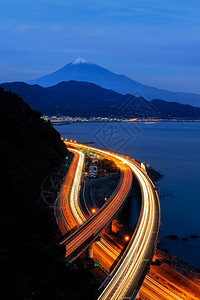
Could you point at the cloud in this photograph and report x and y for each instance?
(24, 28)
(174, 9)
(130, 37)
(160, 13)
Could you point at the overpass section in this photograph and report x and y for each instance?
(127, 276)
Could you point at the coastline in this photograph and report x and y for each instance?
(65, 120)
(191, 272)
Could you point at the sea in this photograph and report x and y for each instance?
(172, 149)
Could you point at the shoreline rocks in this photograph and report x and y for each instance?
(180, 266)
(173, 237)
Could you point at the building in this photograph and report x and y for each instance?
(93, 171)
(94, 160)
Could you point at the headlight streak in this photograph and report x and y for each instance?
(71, 204)
(101, 218)
(62, 211)
(122, 278)
(106, 252)
(74, 195)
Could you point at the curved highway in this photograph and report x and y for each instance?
(126, 278)
(64, 217)
(67, 203)
(105, 250)
(83, 235)
(78, 217)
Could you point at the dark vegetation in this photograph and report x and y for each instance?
(108, 165)
(75, 98)
(32, 265)
(104, 165)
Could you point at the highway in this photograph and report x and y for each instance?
(88, 231)
(70, 204)
(154, 290)
(107, 252)
(82, 217)
(64, 217)
(125, 279)
(151, 289)
(68, 211)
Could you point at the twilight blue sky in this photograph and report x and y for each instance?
(156, 42)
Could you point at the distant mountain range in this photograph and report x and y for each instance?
(83, 70)
(75, 98)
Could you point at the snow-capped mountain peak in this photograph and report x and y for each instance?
(81, 61)
(83, 70)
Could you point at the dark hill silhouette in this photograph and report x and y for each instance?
(32, 265)
(70, 97)
(173, 109)
(75, 98)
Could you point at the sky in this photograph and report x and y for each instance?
(155, 42)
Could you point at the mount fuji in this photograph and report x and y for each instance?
(84, 70)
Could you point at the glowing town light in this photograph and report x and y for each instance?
(127, 238)
(93, 210)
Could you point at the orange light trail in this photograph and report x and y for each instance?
(138, 253)
(107, 253)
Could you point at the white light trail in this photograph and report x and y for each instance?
(122, 278)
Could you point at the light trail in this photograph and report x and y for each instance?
(64, 217)
(102, 217)
(74, 195)
(71, 208)
(132, 266)
(105, 251)
(152, 289)
(75, 207)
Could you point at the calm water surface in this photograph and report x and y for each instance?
(171, 148)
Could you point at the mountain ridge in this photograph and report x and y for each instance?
(75, 98)
(84, 70)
